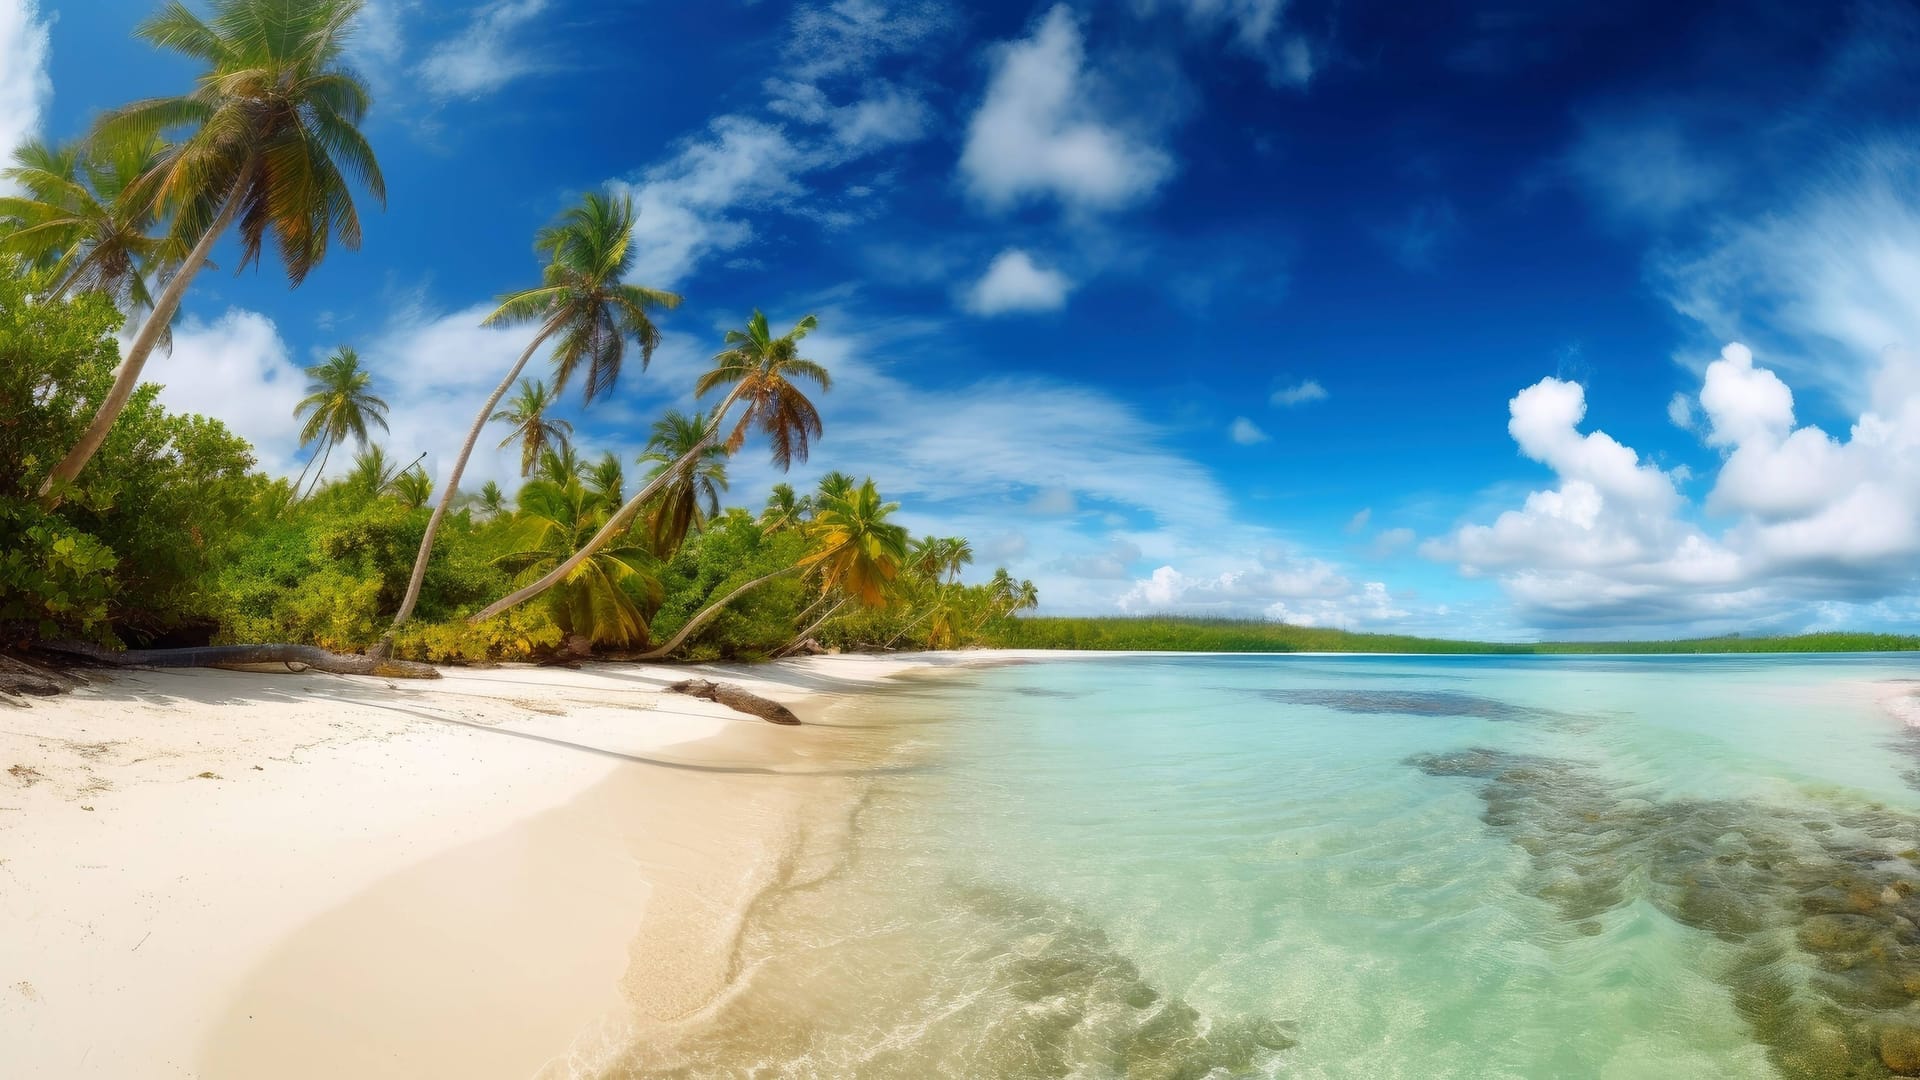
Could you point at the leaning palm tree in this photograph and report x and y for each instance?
(584, 304)
(533, 429)
(958, 554)
(696, 474)
(860, 551)
(926, 557)
(764, 371)
(88, 219)
(340, 402)
(594, 602)
(265, 136)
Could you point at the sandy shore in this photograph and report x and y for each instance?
(224, 874)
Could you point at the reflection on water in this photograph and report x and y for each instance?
(1124, 870)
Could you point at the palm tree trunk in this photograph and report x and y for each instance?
(321, 474)
(710, 611)
(924, 616)
(817, 624)
(127, 378)
(615, 525)
(453, 487)
(311, 458)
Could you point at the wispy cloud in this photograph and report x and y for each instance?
(490, 53)
(1305, 392)
(1255, 27)
(1245, 432)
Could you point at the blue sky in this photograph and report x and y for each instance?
(1493, 319)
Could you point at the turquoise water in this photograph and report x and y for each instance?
(1357, 867)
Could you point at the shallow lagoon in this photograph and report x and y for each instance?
(1355, 867)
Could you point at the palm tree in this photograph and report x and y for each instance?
(925, 557)
(593, 602)
(784, 509)
(413, 487)
(607, 479)
(584, 300)
(957, 554)
(696, 474)
(836, 485)
(860, 552)
(561, 466)
(536, 432)
(89, 221)
(270, 126)
(493, 501)
(762, 370)
(372, 471)
(339, 402)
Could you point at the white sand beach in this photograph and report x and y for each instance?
(226, 874)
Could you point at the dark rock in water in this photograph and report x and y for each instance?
(1406, 703)
(1900, 1050)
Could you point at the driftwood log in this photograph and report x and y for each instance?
(736, 699)
(19, 675)
(308, 656)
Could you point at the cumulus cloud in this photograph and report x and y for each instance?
(1041, 134)
(487, 55)
(1246, 432)
(1015, 283)
(1806, 517)
(1300, 393)
(24, 85)
(238, 370)
(1305, 592)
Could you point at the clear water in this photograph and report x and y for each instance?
(1355, 867)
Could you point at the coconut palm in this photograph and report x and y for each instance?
(267, 137)
(784, 510)
(559, 466)
(696, 473)
(957, 554)
(860, 551)
(594, 602)
(493, 501)
(763, 370)
(533, 429)
(340, 402)
(413, 487)
(836, 485)
(607, 479)
(926, 557)
(584, 304)
(88, 220)
(372, 471)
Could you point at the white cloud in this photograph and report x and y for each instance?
(1808, 517)
(1680, 411)
(237, 370)
(690, 206)
(1015, 283)
(487, 55)
(1301, 393)
(1039, 133)
(1358, 522)
(1305, 592)
(24, 85)
(1825, 282)
(1246, 432)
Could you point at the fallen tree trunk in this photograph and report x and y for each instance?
(308, 656)
(736, 699)
(21, 676)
